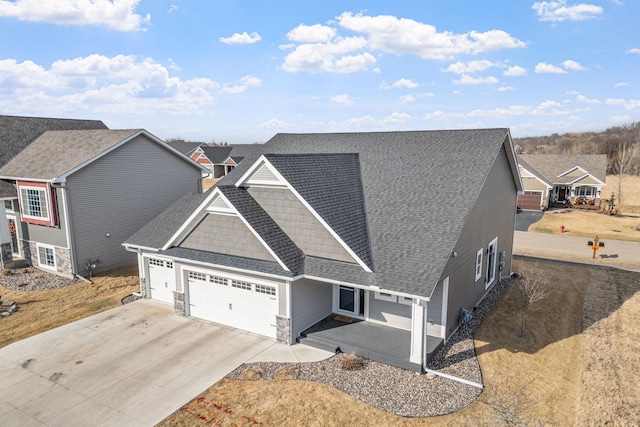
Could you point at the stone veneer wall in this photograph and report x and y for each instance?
(63, 258)
(283, 329)
(178, 303)
(6, 255)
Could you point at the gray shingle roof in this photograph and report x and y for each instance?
(55, 153)
(217, 155)
(17, 132)
(7, 190)
(332, 185)
(550, 166)
(185, 147)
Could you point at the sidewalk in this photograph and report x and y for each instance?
(616, 253)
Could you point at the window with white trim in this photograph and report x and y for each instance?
(264, 289)
(479, 264)
(46, 256)
(385, 296)
(8, 205)
(586, 191)
(34, 203)
(241, 285)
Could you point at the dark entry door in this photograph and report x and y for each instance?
(14, 236)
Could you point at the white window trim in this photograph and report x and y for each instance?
(405, 300)
(53, 267)
(385, 296)
(490, 280)
(24, 204)
(479, 264)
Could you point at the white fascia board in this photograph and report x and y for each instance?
(588, 175)
(255, 234)
(17, 178)
(245, 177)
(318, 217)
(573, 169)
(136, 248)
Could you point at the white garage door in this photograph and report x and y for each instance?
(236, 303)
(162, 280)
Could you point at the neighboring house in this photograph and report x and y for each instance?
(220, 160)
(185, 147)
(564, 179)
(377, 243)
(16, 132)
(80, 193)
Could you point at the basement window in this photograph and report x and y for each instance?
(46, 256)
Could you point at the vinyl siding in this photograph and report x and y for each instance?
(492, 215)
(227, 235)
(391, 313)
(311, 302)
(121, 192)
(586, 181)
(532, 184)
(299, 224)
(56, 236)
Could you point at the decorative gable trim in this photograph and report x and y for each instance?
(263, 173)
(586, 175)
(528, 174)
(220, 206)
(574, 169)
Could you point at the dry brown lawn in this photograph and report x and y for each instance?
(580, 362)
(589, 223)
(630, 191)
(39, 311)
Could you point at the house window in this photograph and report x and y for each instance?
(8, 205)
(491, 262)
(479, 264)
(586, 191)
(46, 256)
(385, 296)
(37, 203)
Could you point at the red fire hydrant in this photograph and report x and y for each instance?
(562, 228)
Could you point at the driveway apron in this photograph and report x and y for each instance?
(133, 365)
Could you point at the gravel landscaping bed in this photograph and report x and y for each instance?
(32, 279)
(392, 389)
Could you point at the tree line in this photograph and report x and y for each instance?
(621, 144)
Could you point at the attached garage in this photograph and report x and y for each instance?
(162, 280)
(530, 200)
(229, 301)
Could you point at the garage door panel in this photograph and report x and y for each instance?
(162, 280)
(236, 303)
(530, 200)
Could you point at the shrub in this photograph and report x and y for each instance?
(352, 362)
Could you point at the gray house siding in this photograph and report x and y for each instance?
(227, 235)
(391, 313)
(311, 302)
(493, 215)
(299, 224)
(113, 197)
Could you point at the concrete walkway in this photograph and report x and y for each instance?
(616, 253)
(130, 366)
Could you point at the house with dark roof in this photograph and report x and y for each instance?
(78, 194)
(186, 147)
(220, 160)
(16, 132)
(564, 179)
(376, 243)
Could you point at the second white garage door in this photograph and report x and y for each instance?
(240, 304)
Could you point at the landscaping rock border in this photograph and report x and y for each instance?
(32, 279)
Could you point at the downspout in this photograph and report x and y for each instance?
(67, 226)
(440, 374)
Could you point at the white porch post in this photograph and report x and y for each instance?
(418, 330)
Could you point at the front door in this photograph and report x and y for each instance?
(351, 301)
(562, 194)
(14, 237)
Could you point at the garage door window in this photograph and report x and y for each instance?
(197, 276)
(157, 262)
(218, 280)
(241, 285)
(267, 290)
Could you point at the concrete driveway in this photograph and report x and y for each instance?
(130, 366)
(525, 218)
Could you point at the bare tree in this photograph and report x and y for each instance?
(530, 290)
(511, 403)
(625, 161)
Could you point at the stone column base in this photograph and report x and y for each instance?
(283, 329)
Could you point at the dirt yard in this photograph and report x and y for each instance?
(41, 310)
(577, 365)
(589, 223)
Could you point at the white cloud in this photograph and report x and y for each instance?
(505, 88)
(511, 111)
(173, 8)
(243, 38)
(558, 11)
(621, 84)
(468, 80)
(343, 99)
(407, 99)
(544, 68)
(334, 56)
(633, 50)
(628, 104)
(242, 85)
(311, 33)
(583, 99)
(117, 15)
(549, 108)
(402, 83)
(397, 118)
(119, 84)
(572, 65)
(441, 115)
(515, 71)
(470, 67)
(274, 124)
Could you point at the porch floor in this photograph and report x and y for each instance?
(370, 340)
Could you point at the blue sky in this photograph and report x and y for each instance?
(241, 71)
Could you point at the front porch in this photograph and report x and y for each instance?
(367, 339)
